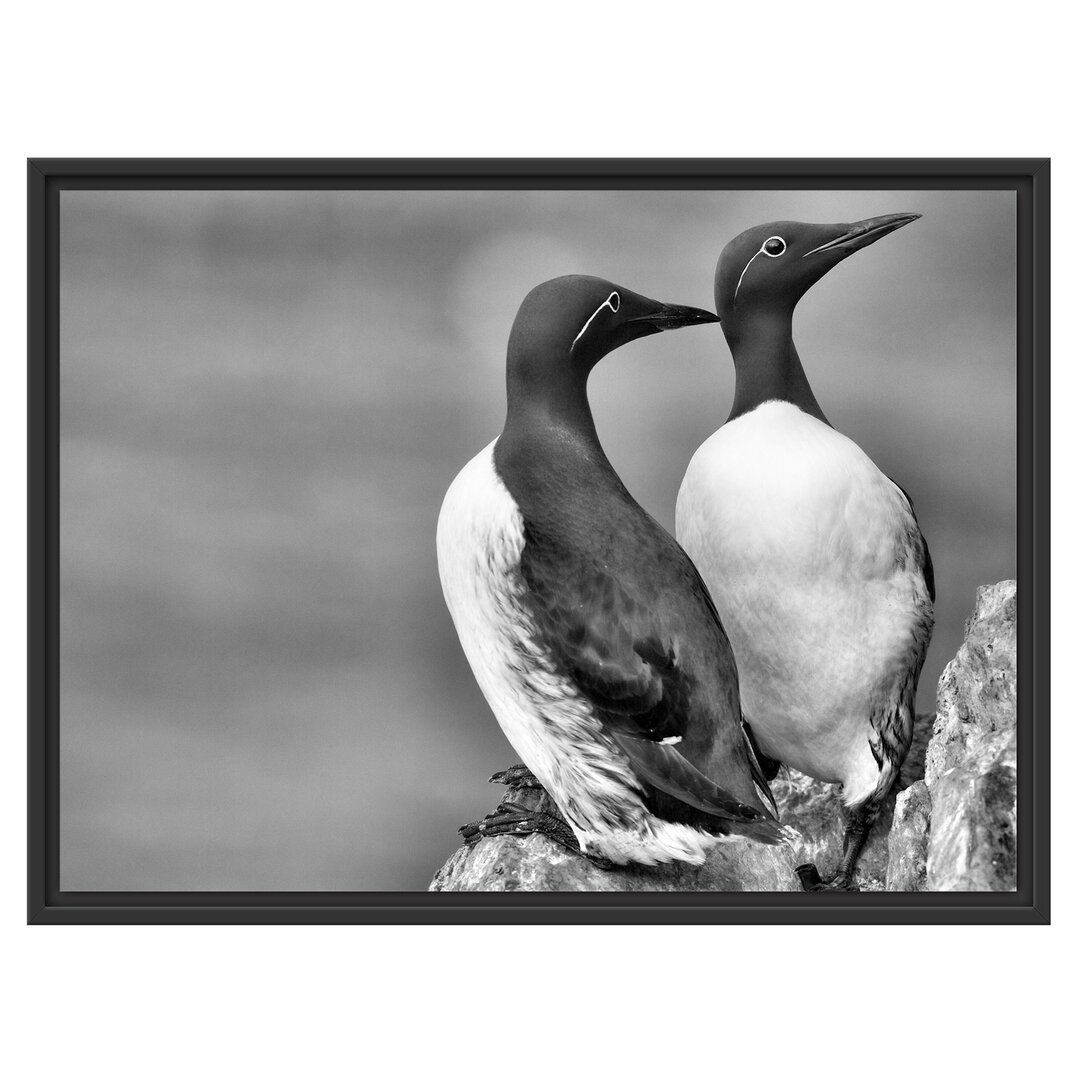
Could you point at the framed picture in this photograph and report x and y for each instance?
(329, 524)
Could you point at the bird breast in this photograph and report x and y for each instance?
(810, 554)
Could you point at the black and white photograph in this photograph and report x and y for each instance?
(537, 540)
(686, 517)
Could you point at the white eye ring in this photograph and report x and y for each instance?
(612, 303)
(760, 251)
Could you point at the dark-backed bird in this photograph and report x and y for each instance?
(586, 626)
(813, 556)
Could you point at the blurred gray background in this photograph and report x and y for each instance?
(264, 397)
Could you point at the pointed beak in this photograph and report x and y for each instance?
(670, 317)
(862, 234)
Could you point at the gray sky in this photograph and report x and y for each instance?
(264, 397)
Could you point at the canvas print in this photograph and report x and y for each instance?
(534, 540)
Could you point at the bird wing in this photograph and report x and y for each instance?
(619, 657)
(665, 768)
(893, 720)
(926, 564)
(610, 646)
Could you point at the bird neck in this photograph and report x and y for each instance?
(549, 439)
(549, 395)
(767, 365)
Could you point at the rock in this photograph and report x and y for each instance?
(908, 837)
(814, 809)
(960, 833)
(972, 845)
(537, 864)
(977, 691)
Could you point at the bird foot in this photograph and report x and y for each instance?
(528, 808)
(811, 880)
(515, 778)
(510, 820)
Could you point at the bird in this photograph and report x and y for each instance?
(588, 629)
(813, 556)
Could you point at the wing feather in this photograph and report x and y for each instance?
(926, 564)
(626, 663)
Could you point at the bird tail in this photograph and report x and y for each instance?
(665, 768)
(762, 769)
(767, 831)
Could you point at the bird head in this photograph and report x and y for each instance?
(570, 323)
(770, 267)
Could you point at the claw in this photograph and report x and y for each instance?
(516, 821)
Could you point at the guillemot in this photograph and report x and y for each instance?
(586, 626)
(813, 556)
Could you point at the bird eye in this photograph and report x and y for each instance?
(774, 246)
(613, 301)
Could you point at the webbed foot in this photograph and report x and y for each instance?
(513, 820)
(528, 808)
(811, 881)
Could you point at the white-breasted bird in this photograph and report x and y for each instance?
(587, 627)
(813, 556)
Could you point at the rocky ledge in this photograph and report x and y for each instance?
(950, 824)
(955, 829)
(537, 864)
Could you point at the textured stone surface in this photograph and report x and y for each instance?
(977, 691)
(536, 864)
(814, 810)
(906, 866)
(960, 834)
(972, 845)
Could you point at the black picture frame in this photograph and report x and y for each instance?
(1030, 904)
